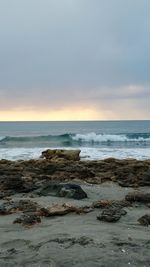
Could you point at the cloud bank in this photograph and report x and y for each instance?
(56, 56)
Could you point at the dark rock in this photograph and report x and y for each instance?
(6, 208)
(72, 191)
(85, 173)
(28, 219)
(110, 203)
(63, 190)
(13, 183)
(4, 194)
(138, 197)
(132, 173)
(144, 220)
(10, 207)
(111, 214)
(27, 206)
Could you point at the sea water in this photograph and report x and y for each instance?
(95, 139)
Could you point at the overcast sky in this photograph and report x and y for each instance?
(86, 57)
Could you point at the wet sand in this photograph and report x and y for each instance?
(78, 240)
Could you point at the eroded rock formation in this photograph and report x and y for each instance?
(34, 175)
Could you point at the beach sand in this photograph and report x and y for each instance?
(78, 240)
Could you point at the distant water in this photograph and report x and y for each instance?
(96, 139)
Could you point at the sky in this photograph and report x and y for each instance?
(74, 59)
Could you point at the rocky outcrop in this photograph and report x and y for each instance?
(55, 154)
(138, 197)
(13, 183)
(34, 175)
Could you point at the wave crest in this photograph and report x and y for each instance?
(2, 138)
(91, 139)
(98, 138)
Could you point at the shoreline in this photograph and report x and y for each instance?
(87, 153)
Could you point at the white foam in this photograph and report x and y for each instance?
(93, 137)
(86, 153)
(20, 153)
(119, 153)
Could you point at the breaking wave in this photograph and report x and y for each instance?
(73, 140)
(2, 138)
(98, 138)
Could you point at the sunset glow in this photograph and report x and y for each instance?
(63, 114)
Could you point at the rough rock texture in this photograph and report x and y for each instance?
(28, 219)
(144, 220)
(63, 190)
(54, 154)
(110, 203)
(4, 195)
(32, 212)
(39, 176)
(138, 197)
(32, 175)
(111, 214)
(58, 209)
(10, 207)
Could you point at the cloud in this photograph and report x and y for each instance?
(130, 102)
(55, 54)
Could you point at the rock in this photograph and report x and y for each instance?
(63, 190)
(27, 206)
(13, 183)
(132, 173)
(6, 208)
(15, 206)
(138, 197)
(110, 203)
(28, 176)
(62, 209)
(4, 195)
(111, 214)
(7, 198)
(32, 208)
(144, 220)
(61, 154)
(28, 219)
(72, 191)
(55, 210)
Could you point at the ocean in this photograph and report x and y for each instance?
(96, 139)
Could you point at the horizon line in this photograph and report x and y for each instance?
(76, 120)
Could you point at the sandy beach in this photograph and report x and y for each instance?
(76, 237)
